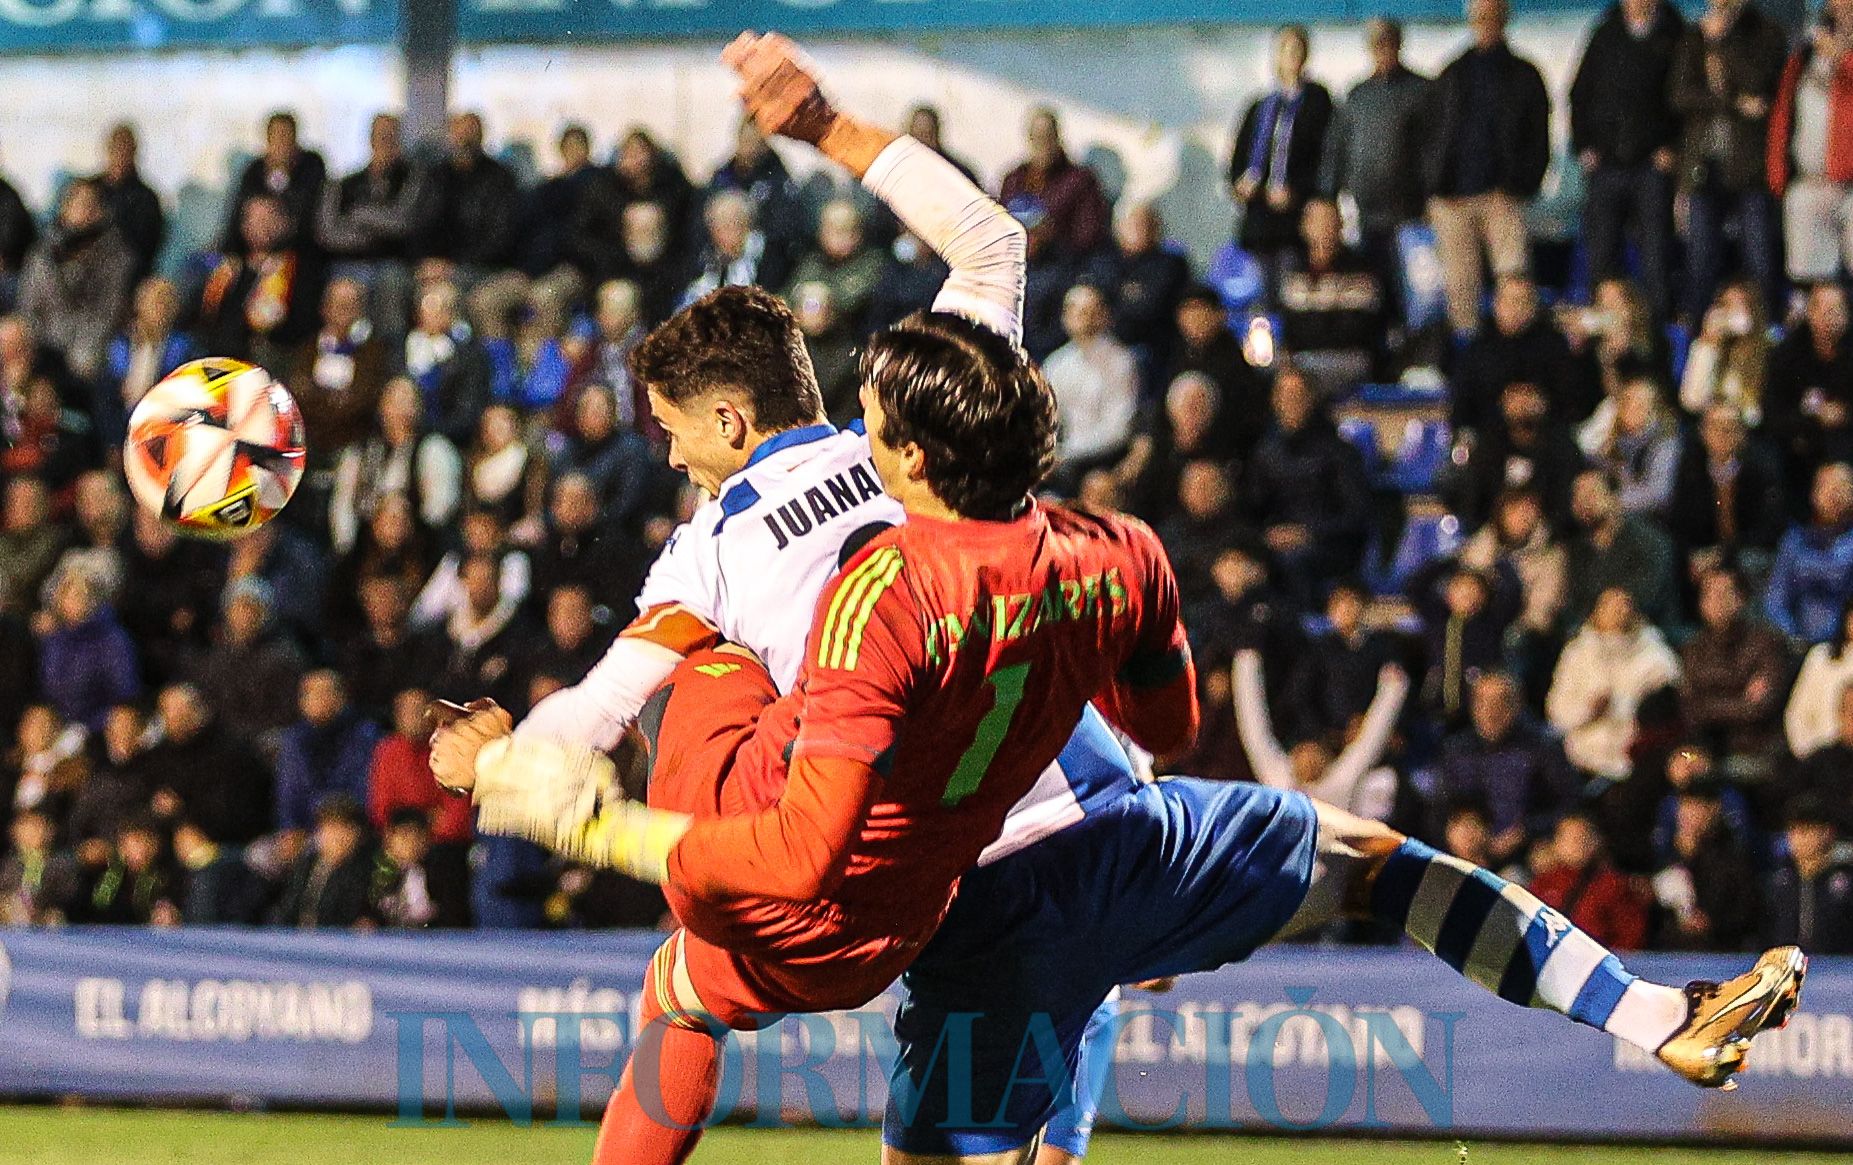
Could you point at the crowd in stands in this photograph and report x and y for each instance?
(1556, 573)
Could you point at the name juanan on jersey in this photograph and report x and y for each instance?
(819, 504)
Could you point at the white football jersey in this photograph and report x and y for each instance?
(752, 561)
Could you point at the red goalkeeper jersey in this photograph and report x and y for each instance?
(947, 665)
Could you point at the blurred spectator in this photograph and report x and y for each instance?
(398, 457)
(467, 221)
(328, 884)
(391, 545)
(47, 764)
(133, 206)
(648, 173)
(843, 261)
(117, 788)
(1150, 275)
(1189, 427)
(338, 376)
(327, 752)
(138, 886)
(1465, 834)
(1810, 896)
(482, 634)
(445, 360)
(400, 784)
(1464, 615)
(1634, 437)
(1351, 779)
(18, 231)
(909, 283)
(483, 532)
(925, 126)
(400, 893)
(1375, 146)
(1335, 676)
(170, 592)
(736, 251)
(87, 661)
(251, 672)
(1736, 674)
(530, 368)
(1808, 400)
(1589, 891)
(1825, 771)
(1725, 75)
(287, 171)
(1811, 148)
(150, 347)
(1306, 488)
(259, 304)
(1729, 358)
(100, 521)
(755, 172)
(1060, 203)
(546, 253)
(1623, 131)
(1518, 537)
(38, 881)
(1274, 160)
(1524, 344)
(383, 657)
(1616, 337)
(30, 543)
(1607, 669)
(831, 343)
(653, 260)
(1703, 890)
(615, 461)
(220, 887)
(1816, 707)
(1486, 158)
(617, 321)
(500, 471)
(1508, 764)
(1331, 304)
(1096, 384)
(1616, 549)
(583, 547)
(1243, 611)
(1812, 577)
(1200, 521)
(74, 287)
(52, 441)
(573, 639)
(204, 775)
(1206, 345)
(366, 224)
(1728, 501)
(296, 569)
(1523, 447)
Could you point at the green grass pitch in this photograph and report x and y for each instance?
(87, 1136)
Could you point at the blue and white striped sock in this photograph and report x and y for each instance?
(1506, 940)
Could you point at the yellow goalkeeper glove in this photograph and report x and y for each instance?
(627, 837)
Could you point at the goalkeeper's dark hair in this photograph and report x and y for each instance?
(742, 339)
(975, 404)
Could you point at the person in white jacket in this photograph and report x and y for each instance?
(1812, 719)
(1611, 665)
(1353, 779)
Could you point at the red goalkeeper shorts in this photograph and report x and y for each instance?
(717, 734)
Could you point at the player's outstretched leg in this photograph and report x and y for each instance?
(1503, 938)
(669, 1088)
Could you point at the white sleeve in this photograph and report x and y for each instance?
(595, 711)
(343, 518)
(440, 479)
(986, 248)
(1698, 386)
(678, 575)
(1800, 720)
(1265, 757)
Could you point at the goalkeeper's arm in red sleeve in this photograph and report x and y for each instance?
(1153, 699)
(796, 849)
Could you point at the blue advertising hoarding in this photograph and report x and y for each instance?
(536, 1026)
(39, 26)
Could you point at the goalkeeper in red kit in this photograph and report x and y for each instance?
(810, 845)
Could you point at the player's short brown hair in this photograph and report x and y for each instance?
(740, 338)
(975, 404)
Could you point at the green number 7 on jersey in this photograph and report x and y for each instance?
(1007, 686)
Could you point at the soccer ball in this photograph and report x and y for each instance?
(215, 448)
